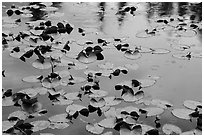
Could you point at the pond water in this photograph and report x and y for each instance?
(165, 44)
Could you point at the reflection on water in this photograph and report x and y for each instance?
(106, 17)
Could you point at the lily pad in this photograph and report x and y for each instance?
(146, 82)
(32, 79)
(94, 128)
(71, 109)
(62, 101)
(161, 103)
(97, 102)
(160, 51)
(16, 54)
(112, 101)
(59, 118)
(184, 56)
(72, 96)
(170, 129)
(79, 66)
(186, 33)
(131, 97)
(31, 92)
(182, 113)
(108, 122)
(180, 47)
(50, 84)
(21, 115)
(133, 55)
(7, 125)
(87, 59)
(8, 101)
(108, 133)
(40, 125)
(191, 104)
(58, 125)
(39, 65)
(192, 132)
(98, 93)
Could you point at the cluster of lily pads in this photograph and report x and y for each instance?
(49, 43)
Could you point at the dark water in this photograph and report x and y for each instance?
(179, 79)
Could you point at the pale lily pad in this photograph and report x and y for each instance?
(58, 125)
(191, 104)
(98, 93)
(192, 132)
(40, 125)
(50, 84)
(110, 112)
(41, 90)
(29, 91)
(59, 118)
(62, 101)
(146, 82)
(83, 42)
(36, 32)
(144, 49)
(161, 103)
(170, 129)
(146, 128)
(49, 9)
(63, 73)
(129, 97)
(97, 103)
(132, 66)
(144, 34)
(71, 109)
(184, 56)
(8, 101)
(128, 109)
(112, 101)
(186, 33)
(160, 51)
(7, 125)
(136, 130)
(196, 54)
(108, 122)
(87, 59)
(108, 133)
(37, 64)
(133, 55)
(94, 128)
(182, 113)
(16, 54)
(180, 47)
(21, 115)
(153, 111)
(107, 65)
(72, 96)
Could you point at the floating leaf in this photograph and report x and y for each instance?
(21, 115)
(8, 101)
(108, 133)
(132, 54)
(58, 125)
(131, 97)
(191, 104)
(94, 128)
(161, 103)
(50, 84)
(186, 33)
(32, 79)
(143, 49)
(146, 82)
(7, 125)
(86, 59)
(180, 47)
(40, 125)
(31, 92)
(16, 54)
(153, 111)
(71, 109)
(112, 101)
(160, 51)
(97, 103)
(39, 65)
(59, 118)
(98, 93)
(79, 66)
(72, 96)
(182, 113)
(184, 56)
(107, 122)
(192, 132)
(62, 101)
(170, 129)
